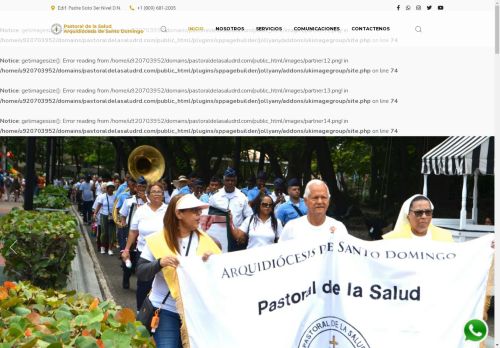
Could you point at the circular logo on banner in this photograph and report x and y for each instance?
(332, 332)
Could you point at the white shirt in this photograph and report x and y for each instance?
(235, 201)
(98, 190)
(87, 194)
(300, 228)
(125, 209)
(260, 233)
(427, 236)
(94, 206)
(166, 197)
(147, 221)
(160, 288)
(274, 197)
(104, 199)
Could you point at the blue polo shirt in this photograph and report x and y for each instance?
(184, 190)
(245, 190)
(121, 188)
(206, 197)
(286, 212)
(121, 198)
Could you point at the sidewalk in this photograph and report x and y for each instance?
(110, 267)
(86, 275)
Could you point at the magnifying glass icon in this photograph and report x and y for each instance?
(418, 29)
(163, 29)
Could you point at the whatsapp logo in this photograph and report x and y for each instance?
(475, 330)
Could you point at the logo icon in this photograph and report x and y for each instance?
(475, 330)
(331, 332)
(56, 29)
(440, 7)
(429, 7)
(418, 7)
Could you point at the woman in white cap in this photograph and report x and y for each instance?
(159, 258)
(414, 221)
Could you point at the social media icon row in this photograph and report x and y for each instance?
(420, 7)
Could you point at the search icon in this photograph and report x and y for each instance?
(418, 29)
(163, 29)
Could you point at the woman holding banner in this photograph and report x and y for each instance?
(159, 258)
(261, 228)
(414, 221)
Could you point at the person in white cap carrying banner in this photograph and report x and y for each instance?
(159, 258)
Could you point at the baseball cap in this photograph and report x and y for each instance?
(190, 201)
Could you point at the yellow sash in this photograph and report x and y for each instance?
(439, 234)
(159, 248)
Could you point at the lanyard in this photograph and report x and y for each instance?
(229, 201)
(109, 209)
(189, 243)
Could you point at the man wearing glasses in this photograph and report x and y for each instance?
(317, 200)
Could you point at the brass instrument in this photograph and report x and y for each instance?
(144, 161)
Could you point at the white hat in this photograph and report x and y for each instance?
(110, 183)
(181, 178)
(190, 201)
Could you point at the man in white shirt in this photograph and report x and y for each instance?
(278, 195)
(317, 199)
(98, 186)
(131, 204)
(232, 199)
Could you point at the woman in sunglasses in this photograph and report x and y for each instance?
(147, 219)
(261, 228)
(415, 219)
(159, 259)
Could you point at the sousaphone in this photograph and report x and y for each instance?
(144, 161)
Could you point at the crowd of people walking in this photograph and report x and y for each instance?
(149, 224)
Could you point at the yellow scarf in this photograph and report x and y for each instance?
(439, 234)
(158, 246)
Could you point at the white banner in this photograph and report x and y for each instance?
(338, 292)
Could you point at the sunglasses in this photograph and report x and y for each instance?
(420, 213)
(266, 205)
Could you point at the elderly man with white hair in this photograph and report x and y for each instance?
(317, 200)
